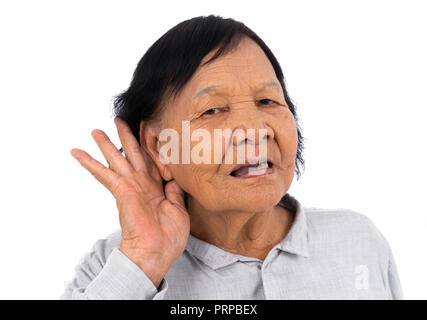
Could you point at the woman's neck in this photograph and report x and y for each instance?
(246, 234)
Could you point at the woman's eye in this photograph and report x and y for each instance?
(210, 111)
(266, 101)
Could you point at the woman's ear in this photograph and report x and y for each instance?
(148, 136)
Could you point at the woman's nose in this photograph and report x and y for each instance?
(251, 128)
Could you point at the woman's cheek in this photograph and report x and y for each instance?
(197, 176)
(287, 139)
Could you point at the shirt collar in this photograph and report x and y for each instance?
(295, 242)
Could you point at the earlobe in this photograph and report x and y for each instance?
(166, 174)
(164, 170)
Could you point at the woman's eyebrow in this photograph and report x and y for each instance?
(212, 88)
(203, 91)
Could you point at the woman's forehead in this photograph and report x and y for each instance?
(256, 86)
(232, 80)
(231, 86)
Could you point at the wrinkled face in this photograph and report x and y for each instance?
(243, 94)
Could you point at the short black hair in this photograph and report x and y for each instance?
(171, 61)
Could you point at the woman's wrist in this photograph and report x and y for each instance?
(154, 267)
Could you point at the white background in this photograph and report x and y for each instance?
(355, 69)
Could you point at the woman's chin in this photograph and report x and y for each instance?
(256, 184)
(257, 199)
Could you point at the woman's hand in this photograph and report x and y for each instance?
(155, 223)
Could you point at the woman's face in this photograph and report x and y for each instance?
(240, 100)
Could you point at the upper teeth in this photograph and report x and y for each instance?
(262, 165)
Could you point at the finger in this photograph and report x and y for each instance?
(115, 159)
(144, 162)
(130, 145)
(107, 177)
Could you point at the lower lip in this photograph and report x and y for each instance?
(267, 172)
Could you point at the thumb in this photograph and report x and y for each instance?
(175, 194)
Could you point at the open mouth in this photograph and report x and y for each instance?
(251, 170)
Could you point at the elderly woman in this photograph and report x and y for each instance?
(215, 229)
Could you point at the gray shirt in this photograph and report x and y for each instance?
(327, 254)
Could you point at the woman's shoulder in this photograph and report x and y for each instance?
(335, 215)
(328, 217)
(344, 224)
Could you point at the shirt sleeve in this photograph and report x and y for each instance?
(394, 284)
(389, 271)
(119, 278)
